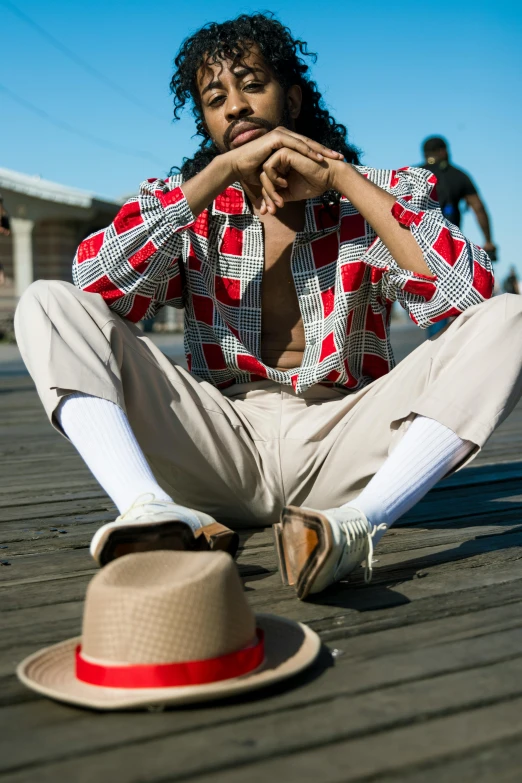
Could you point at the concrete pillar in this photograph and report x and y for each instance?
(170, 319)
(22, 233)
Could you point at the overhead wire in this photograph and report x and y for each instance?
(77, 131)
(67, 52)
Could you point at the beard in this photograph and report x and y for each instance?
(259, 122)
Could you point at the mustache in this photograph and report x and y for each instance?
(257, 121)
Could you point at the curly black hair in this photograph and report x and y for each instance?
(233, 40)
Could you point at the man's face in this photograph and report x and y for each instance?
(437, 156)
(241, 100)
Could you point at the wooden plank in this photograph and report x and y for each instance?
(41, 626)
(57, 508)
(62, 568)
(392, 566)
(500, 762)
(477, 475)
(499, 563)
(348, 701)
(460, 503)
(455, 504)
(363, 616)
(338, 626)
(357, 760)
(44, 536)
(38, 567)
(44, 592)
(390, 590)
(336, 729)
(11, 689)
(36, 527)
(461, 616)
(41, 485)
(30, 496)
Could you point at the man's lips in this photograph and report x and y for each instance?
(244, 133)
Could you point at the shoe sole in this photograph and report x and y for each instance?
(174, 535)
(303, 542)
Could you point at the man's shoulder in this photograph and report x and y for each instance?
(153, 184)
(174, 180)
(457, 171)
(462, 178)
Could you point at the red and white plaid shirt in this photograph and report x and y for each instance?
(157, 253)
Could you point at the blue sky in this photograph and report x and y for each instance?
(392, 72)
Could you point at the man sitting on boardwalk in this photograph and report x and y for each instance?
(287, 258)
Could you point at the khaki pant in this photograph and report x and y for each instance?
(243, 453)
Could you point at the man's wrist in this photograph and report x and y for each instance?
(342, 174)
(222, 169)
(203, 188)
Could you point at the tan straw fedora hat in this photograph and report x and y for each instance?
(168, 628)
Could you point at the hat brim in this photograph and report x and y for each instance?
(289, 648)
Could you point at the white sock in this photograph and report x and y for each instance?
(426, 453)
(101, 433)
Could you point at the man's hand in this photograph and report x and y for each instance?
(491, 250)
(245, 164)
(247, 161)
(289, 175)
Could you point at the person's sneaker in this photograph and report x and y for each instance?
(317, 548)
(151, 524)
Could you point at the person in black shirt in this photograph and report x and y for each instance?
(454, 186)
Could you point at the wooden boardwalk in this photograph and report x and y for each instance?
(420, 678)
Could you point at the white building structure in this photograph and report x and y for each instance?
(48, 221)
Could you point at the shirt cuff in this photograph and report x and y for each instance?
(175, 203)
(404, 214)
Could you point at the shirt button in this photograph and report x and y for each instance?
(312, 341)
(306, 290)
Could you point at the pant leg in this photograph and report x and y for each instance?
(469, 378)
(201, 451)
(476, 373)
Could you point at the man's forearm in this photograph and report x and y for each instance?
(202, 189)
(483, 221)
(375, 206)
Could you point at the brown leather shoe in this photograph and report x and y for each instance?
(317, 548)
(151, 524)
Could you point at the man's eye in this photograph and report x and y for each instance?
(217, 100)
(253, 86)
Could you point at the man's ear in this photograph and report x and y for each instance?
(294, 99)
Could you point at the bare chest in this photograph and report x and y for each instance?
(282, 334)
(278, 281)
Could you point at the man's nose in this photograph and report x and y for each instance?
(237, 106)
